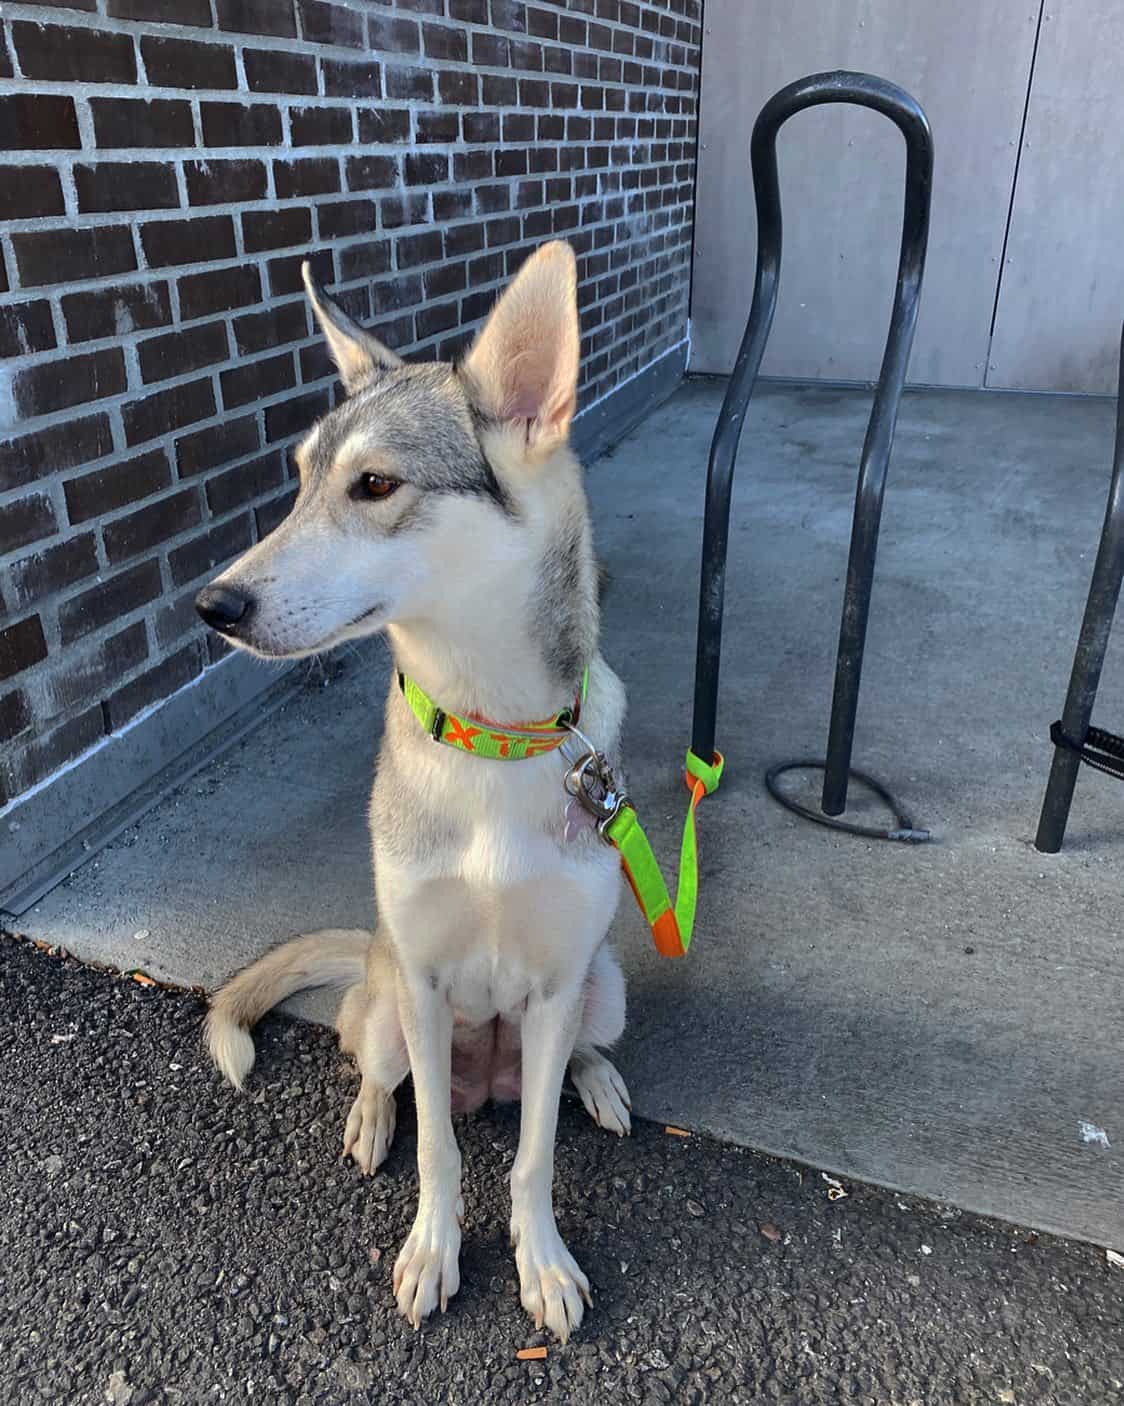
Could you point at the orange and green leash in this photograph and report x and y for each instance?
(672, 924)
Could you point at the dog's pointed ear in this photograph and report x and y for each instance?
(522, 369)
(357, 354)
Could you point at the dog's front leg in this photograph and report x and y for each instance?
(426, 1271)
(551, 1284)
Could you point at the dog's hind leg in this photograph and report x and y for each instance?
(597, 1081)
(369, 1029)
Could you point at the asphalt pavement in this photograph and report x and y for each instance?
(166, 1240)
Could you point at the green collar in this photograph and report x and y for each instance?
(486, 739)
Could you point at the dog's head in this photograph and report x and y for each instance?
(412, 487)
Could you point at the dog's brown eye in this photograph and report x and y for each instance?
(372, 486)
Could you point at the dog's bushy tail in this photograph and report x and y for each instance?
(334, 957)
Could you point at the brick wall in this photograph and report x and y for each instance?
(166, 166)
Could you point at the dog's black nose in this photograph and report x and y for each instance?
(222, 607)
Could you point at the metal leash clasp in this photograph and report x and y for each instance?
(591, 782)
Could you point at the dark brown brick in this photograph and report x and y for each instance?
(397, 210)
(426, 168)
(48, 386)
(161, 411)
(132, 122)
(441, 41)
(271, 71)
(25, 520)
(471, 11)
(371, 172)
(491, 50)
(351, 80)
(224, 182)
(481, 126)
(451, 204)
(275, 229)
(126, 185)
(216, 445)
(43, 452)
(457, 88)
(105, 490)
(240, 485)
(240, 124)
(518, 127)
(275, 327)
(88, 5)
(321, 126)
(463, 239)
(408, 83)
(344, 217)
(176, 620)
(45, 573)
(365, 260)
(492, 199)
(153, 685)
(273, 17)
(25, 328)
(185, 12)
(86, 677)
(414, 249)
(285, 272)
(185, 63)
(21, 646)
(384, 126)
(38, 122)
(169, 242)
(149, 526)
(511, 163)
(314, 176)
(430, 321)
(472, 166)
(30, 191)
(15, 714)
(177, 353)
(423, 7)
(257, 380)
(116, 311)
(66, 255)
(403, 292)
(392, 35)
(273, 513)
(315, 363)
(330, 24)
(109, 600)
(294, 416)
(437, 127)
(542, 23)
(498, 92)
(508, 14)
(45, 754)
(210, 550)
(63, 55)
(202, 294)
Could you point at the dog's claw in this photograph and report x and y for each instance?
(369, 1130)
(552, 1286)
(426, 1273)
(603, 1093)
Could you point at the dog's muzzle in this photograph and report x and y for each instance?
(223, 607)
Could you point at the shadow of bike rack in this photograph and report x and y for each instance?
(1075, 740)
(893, 102)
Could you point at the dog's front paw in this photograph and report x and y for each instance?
(603, 1092)
(551, 1284)
(370, 1128)
(426, 1272)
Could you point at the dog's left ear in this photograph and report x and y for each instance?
(522, 368)
(357, 354)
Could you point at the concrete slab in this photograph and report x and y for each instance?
(942, 1019)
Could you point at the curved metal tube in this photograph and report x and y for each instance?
(1088, 660)
(896, 104)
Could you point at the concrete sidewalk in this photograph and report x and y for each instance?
(942, 1019)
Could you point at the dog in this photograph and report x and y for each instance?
(442, 506)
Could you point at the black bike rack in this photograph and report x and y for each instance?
(1074, 739)
(893, 102)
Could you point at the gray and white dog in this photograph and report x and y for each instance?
(443, 506)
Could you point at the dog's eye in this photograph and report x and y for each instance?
(373, 486)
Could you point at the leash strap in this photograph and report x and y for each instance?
(1103, 751)
(671, 925)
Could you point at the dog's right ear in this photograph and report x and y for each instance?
(357, 354)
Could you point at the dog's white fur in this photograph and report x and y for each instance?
(491, 928)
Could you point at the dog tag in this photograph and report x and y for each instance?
(578, 821)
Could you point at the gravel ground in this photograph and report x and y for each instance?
(166, 1240)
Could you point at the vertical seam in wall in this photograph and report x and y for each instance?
(1014, 191)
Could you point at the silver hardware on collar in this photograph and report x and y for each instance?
(590, 781)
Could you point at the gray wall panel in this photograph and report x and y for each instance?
(1062, 298)
(841, 180)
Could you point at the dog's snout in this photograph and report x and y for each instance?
(222, 607)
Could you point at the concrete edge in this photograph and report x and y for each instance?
(615, 415)
(57, 825)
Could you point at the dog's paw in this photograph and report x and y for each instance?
(604, 1094)
(552, 1287)
(370, 1128)
(426, 1272)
